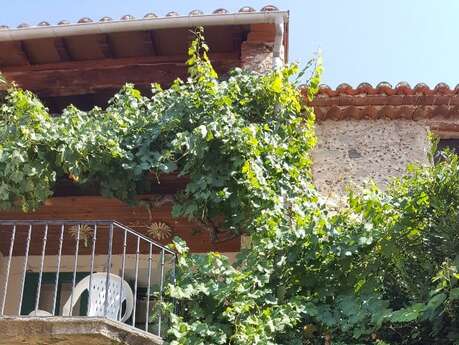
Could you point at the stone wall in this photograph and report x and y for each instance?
(257, 56)
(72, 331)
(350, 152)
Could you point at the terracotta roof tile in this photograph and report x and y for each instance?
(365, 88)
(386, 101)
(150, 15)
(127, 17)
(172, 14)
(85, 20)
(421, 88)
(221, 11)
(247, 9)
(105, 19)
(196, 13)
(442, 88)
(269, 8)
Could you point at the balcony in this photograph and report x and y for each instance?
(77, 279)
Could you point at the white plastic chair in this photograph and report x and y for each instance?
(97, 303)
(40, 313)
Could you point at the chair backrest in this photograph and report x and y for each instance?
(118, 289)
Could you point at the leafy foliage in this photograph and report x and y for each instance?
(225, 136)
(381, 270)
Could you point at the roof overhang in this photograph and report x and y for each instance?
(68, 60)
(77, 29)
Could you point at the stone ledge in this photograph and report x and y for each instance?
(71, 331)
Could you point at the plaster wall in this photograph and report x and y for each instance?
(354, 151)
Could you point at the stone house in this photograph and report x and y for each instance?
(375, 132)
(366, 132)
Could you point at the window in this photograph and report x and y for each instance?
(64, 290)
(451, 144)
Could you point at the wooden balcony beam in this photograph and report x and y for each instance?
(85, 77)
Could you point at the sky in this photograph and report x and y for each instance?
(361, 40)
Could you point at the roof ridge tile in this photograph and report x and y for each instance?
(151, 15)
(385, 101)
(385, 88)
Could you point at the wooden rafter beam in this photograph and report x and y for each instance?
(62, 49)
(83, 77)
(149, 41)
(107, 47)
(24, 53)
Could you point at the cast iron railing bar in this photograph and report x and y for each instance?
(58, 270)
(58, 222)
(161, 288)
(123, 263)
(5, 290)
(174, 263)
(136, 278)
(109, 268)
(174, 279)
(86, 222)
(75, 264)
(93, 253)
(29, 237)
(44, 243)
(42, 263)
(147, 316)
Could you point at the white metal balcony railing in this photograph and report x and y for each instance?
(83, 268)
